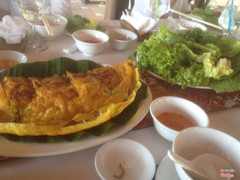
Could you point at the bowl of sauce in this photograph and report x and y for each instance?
(121, 39)
(176, 121)
(10, 58)
(172, 114)
(57, 24)
(90, 42)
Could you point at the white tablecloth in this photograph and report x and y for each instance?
(80, 165)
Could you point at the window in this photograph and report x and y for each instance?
(91, 9)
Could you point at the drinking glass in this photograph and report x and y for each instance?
(32, 11)
(229, 19)
(158, 8)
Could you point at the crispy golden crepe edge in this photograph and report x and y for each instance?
(105, 114)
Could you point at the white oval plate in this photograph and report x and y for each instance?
(188, 23)
(19, 149)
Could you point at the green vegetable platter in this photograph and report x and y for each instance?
(192, 58)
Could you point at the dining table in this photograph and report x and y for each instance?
(79, 164)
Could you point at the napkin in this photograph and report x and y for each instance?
(140, 23)
(13, 29)
(61, 7)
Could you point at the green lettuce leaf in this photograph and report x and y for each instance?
(206, 14)
(79, 22)
(192, 58)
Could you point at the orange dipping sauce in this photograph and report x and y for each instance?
(7, 63)
(121, 38)
(92, 41)
(175, 121)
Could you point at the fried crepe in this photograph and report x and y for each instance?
(5, 110)
(59, 105)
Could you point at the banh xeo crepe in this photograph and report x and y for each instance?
(64, 104)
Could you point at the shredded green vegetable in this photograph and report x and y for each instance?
(122, 172)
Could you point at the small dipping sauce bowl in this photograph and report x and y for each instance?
(121, 39)
(10, 58)
(173, 114)
(57, 24)
(90, 42)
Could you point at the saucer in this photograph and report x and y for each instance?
(166, 170)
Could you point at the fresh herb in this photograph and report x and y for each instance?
(206, 14)
(79, 22)
(122, 172)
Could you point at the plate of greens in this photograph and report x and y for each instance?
(80, 22)
(192, 58)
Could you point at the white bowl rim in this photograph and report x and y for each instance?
(193, 129)
(133, 35)
(93, 31)
(23, 56)
(203, 131)
(178, 98)
(64, 19)
(188, 21)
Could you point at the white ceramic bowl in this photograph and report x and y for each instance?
(121, 39)
(135, 159)
(11, 55)
(188, 23)
(57, 24)
(192, 142)
(179, 106)
(90, 42)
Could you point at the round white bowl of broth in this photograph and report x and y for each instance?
(121, 39)
(10, 58)
(57, 24)
(173, 114)
(90, 42)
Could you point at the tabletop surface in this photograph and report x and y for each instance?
(80, 164)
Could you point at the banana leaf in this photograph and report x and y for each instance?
(60, 66)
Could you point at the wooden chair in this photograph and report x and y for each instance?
(114, 8)
(201, 3)
(109, 10)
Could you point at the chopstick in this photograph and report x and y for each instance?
(47, 25)
(196, 19)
